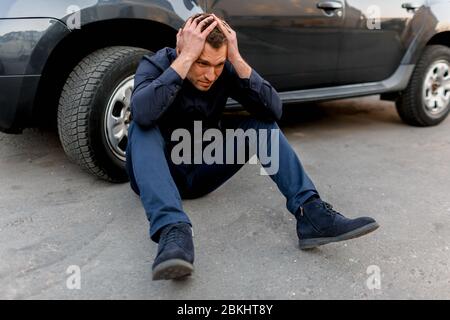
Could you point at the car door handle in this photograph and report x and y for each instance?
(329, 5)
(411, 5)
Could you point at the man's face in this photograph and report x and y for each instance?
(208, 67)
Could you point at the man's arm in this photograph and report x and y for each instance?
(256, 95)
(153, 92)
(242, 68)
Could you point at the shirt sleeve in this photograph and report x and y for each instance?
(256, 95)
(153, 92)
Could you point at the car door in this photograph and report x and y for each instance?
(291, 43)
(374, 39)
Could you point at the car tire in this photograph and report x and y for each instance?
(426, 100)
(94, 111)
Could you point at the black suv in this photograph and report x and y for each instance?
(72, 61)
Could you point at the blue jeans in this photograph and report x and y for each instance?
(161, 184)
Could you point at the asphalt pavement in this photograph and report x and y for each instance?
(58, 222)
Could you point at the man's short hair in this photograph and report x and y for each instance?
(216, 38)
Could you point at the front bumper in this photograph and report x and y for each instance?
(25, 47)
(17, 95)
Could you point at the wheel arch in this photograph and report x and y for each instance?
(146, 34)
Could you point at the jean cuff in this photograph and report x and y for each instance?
(294, 205)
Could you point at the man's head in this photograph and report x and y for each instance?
(209, 66)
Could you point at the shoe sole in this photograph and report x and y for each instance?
(315, 242)
(172, 269)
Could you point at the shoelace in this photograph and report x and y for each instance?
(173, 235)
(329, 208)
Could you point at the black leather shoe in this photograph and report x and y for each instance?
(175, 256)
(319, 224)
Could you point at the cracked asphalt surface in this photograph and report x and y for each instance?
(361, 157)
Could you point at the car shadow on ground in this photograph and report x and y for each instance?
(348, 112)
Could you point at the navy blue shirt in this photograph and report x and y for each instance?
(161, 97)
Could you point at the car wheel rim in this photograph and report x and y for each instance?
(118, 117)
(436, 88)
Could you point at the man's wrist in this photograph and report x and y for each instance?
(182, 64)
(235, 59)
(242, 68)
(186, 57)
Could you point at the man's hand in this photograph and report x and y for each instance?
(191, 42)
(191, 39)
(233, 50)
(234, 56)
